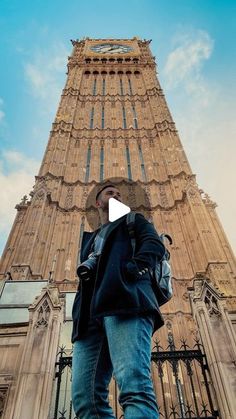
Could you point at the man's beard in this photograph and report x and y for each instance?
(105, 207)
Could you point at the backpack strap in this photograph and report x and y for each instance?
(130, 220)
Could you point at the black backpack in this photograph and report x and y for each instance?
(161, 272)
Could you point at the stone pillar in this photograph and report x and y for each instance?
(35, 378)
(219, 340)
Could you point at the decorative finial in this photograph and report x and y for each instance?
(24, 200)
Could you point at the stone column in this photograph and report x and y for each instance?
(35, 378)
(218, 337)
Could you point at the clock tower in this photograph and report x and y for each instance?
(113, 122)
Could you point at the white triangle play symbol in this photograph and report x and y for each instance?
(116, 209)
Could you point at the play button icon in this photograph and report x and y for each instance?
(116, 209)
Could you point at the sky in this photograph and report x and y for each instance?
(194, 45)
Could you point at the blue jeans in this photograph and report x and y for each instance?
(121, 345)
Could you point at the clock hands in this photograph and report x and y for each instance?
(114, 47)
(105, 49)
(111, 48)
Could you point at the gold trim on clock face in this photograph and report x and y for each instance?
(111, 48)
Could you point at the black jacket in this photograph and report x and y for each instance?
(117, 287)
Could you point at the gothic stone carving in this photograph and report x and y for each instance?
(163, 196)
(3, 398)
(43, 315)
(39, 197)
(197, 288)
(204, 291)
(21, 272)
(24, 200)
(69, 197)
(231, 303)
(211, 304)
(132, 197)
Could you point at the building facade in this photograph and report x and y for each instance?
(113, 122)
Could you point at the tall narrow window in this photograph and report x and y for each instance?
(130, 86)
(103, 117)
(121, 87)
(103, 87)
(91, 118)
(88, 164)
(124, 117)
(94, 86)
(142, 163)
(135, 117)
(128, 163)
(80, 239)
(101, 164)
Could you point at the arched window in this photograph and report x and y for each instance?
(142, 163)
(101, 163)
(91, 118)
(88, 164)
(103, 117)
(135, 117)
(121, 87)
(124, 118)
(130, 86)
(103, 87)
(128, 163)
(95, 86)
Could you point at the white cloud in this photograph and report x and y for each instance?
(187, 58)
(204, 115)
(16, 179)
(45, 74)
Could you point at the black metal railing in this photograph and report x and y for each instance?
(62, 391)
(184, 389)
(182, 383)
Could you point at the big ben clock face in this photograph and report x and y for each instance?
(111, 48)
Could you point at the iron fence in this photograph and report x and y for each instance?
(181, 379)
(184, 389)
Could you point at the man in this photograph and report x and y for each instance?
(115, 314)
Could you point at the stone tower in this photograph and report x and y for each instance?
(113, 122)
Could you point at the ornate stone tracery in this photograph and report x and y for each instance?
(211, 304)
(43, 315)
(3, 398)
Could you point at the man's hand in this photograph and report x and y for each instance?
(133, 271)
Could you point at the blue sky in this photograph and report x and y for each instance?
(193, 41)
